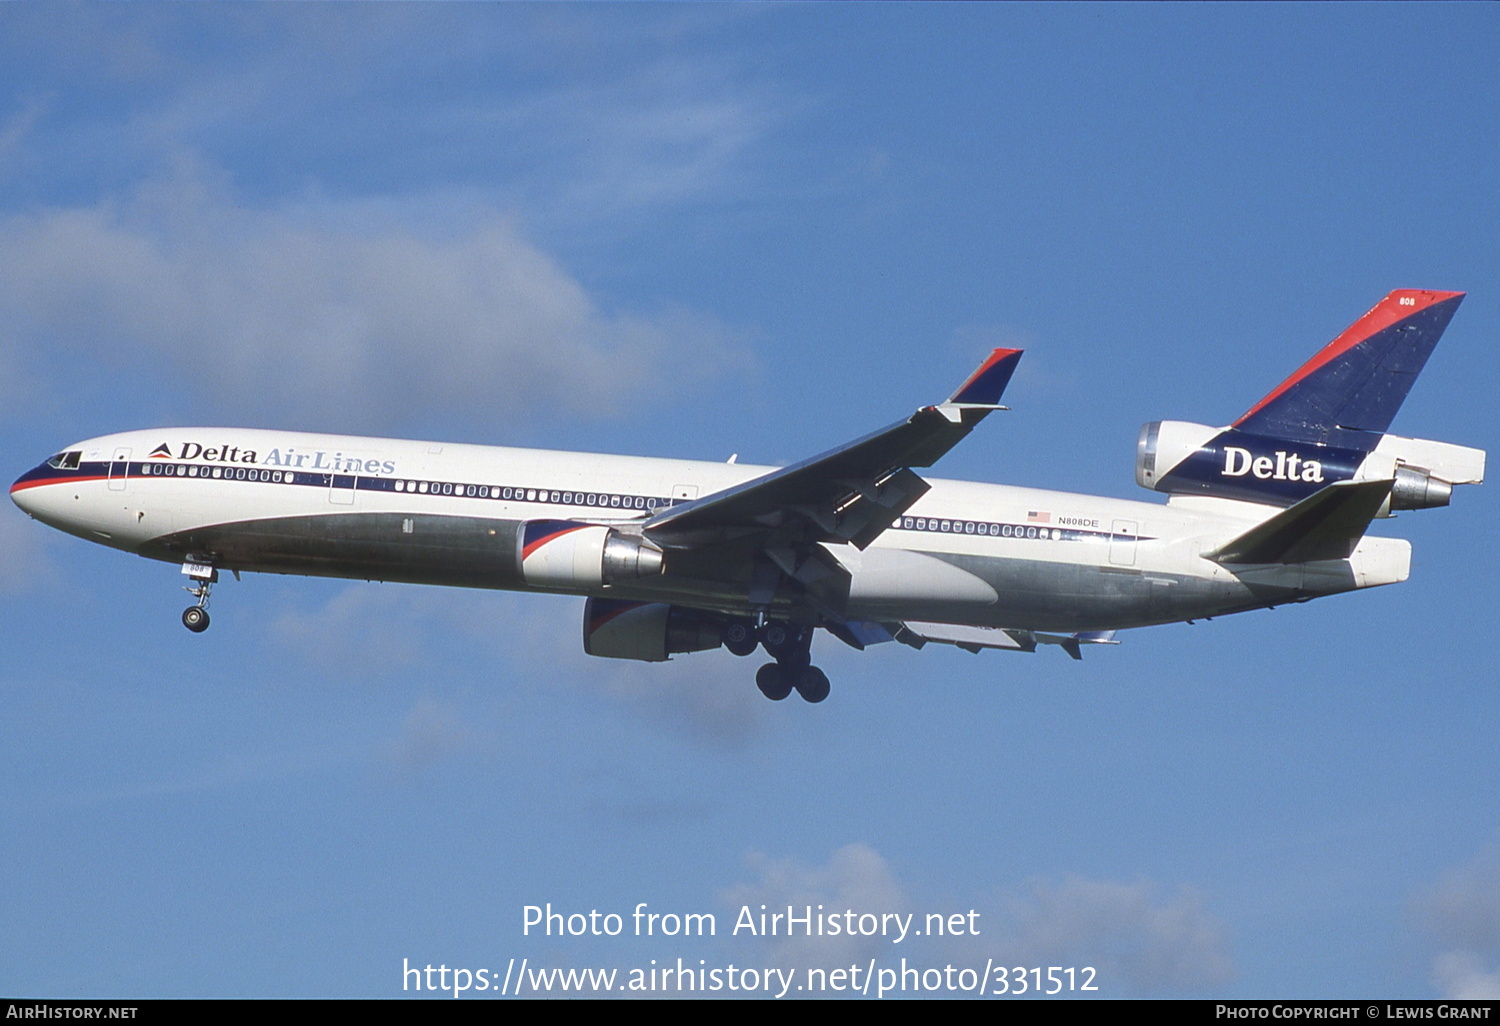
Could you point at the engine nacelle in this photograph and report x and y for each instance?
(1425, 471)
(1181, 458)
(1164, 444)
(648, 631)
(571, 554)
(1418, 489)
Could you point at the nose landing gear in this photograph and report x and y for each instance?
(204, 576)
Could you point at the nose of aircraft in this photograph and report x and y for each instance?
(25, 492)
(20, 494)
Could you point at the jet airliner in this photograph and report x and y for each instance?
(678, 556)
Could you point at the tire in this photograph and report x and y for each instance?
(195, 619)
(786, 644)
(774, 684)
(776, 637)
(812, 685)
(740, 638)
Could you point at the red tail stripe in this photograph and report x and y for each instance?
(1382, 315)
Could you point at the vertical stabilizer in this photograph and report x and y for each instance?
(1349, 392)
(1326, 423)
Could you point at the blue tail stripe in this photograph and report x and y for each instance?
(1351, 400)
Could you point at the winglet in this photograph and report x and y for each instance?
(987, 384)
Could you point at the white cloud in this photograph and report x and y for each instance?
(707, 696)
(331, 314)
(432, 731)
(1464, 907)
(1140, 938)
(1462, 913)
(15, 129)
(1463, 976)
(665, 140)
(365, 631)
(369, 631)
(856, 877)
(581, 116)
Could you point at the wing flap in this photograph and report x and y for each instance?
(976, 639)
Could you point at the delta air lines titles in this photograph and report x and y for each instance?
(277, 457)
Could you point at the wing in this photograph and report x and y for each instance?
(849, 494)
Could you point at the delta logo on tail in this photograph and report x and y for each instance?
(1284, 467)
(1324, 424)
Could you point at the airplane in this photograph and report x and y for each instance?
(677, 556)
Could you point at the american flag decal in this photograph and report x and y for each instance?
(1036, 517)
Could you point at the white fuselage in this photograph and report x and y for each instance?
(384, 509)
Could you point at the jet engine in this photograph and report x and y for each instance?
(1164, 444)
(1178, 457)
(572, 554)
(1426, 471)
(649, 631)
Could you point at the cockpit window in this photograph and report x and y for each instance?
(66, 460)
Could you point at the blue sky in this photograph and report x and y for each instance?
(694, 231)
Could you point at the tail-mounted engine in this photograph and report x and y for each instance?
(649, 631)
(570, 554)
(1181, 458)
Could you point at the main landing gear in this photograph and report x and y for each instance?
(203, 576)
(791, 647)
(777, 680)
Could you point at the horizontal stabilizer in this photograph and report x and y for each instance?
(1326, 525)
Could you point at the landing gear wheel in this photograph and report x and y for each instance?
(773, 682)
(786, 644)
(740, 638)
(777, 637)
(812, 685)
(204, 575)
